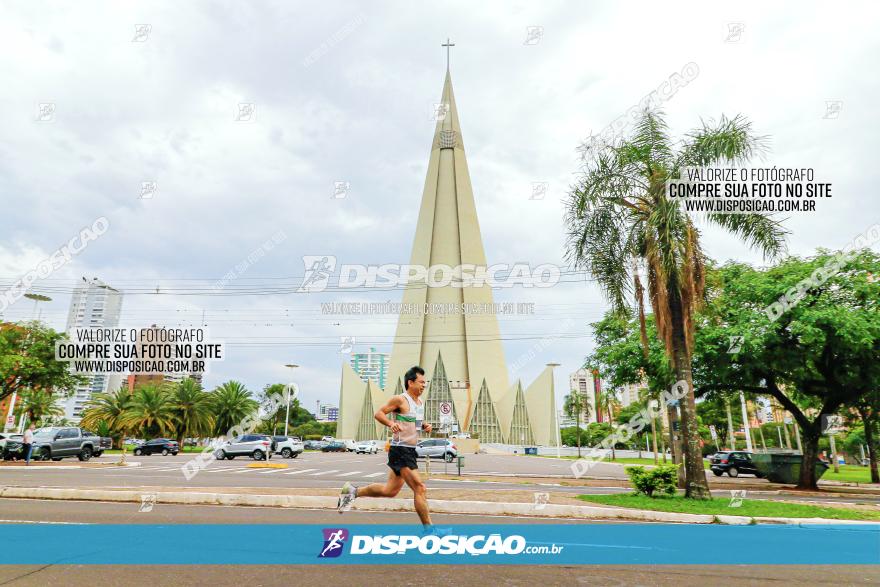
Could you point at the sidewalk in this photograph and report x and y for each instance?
(445, 501)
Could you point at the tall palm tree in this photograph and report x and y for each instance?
(619, 219)
(232, 403)
(192, 410)
(574, 407)
(151, 411)
(110, 409)
(38, 405)
(607, 403)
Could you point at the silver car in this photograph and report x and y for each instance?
(440, 448)
(255, 446)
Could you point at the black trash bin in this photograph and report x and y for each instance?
(784, 467)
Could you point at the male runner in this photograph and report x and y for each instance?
(409, 414)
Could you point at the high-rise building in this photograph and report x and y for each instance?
(371, 366)
(582, 382)
(461, 352)
(94, 305)
(140, 379)
(327, 413)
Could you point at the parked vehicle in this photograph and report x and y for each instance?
(56, 443)
(105, 442)
(461, 435)
(255, 446)
(288, 447)
(350, 445)
(335, 446)
(10, 445)
(327, 439)
(437, 448)
(734, 463)
(366, 447)
(161, 446)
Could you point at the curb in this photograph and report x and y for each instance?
(65, 467)
(396, 504)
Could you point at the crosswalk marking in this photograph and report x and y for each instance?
(300, 471)
(349, 474)
(270, 471)
(371, 475)
(324, 472)
(240, 471)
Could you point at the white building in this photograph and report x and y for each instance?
(582, 381)
(94, 305)
(371, 366)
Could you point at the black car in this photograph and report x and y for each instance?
(162, 446)
(734, 463)
(335, 446)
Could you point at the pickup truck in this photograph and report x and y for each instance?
(56, 443)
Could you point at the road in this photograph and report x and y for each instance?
(331, 470)
(14, 511)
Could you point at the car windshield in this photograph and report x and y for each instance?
(45, 431)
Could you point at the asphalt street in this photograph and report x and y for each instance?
(331, 470)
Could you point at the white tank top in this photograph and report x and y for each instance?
(410, 423)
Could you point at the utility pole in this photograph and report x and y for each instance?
(730, 426)
(290, 386)
(745, 415)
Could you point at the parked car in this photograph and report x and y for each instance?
(734, 463)
(255, 446)
(437, 448)
(288, 447)
(461, 435)
(350, 445)
(327, 439)
(335, 446)
(366, 447)
(105, 442)
(161, 446)
(56, 443)
(10, 445)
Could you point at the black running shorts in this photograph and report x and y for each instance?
(402, 456)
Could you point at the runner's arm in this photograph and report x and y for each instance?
(392, 406)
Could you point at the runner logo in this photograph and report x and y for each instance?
(318, 271)
(334, 542)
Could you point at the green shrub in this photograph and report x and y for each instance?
(660, 479)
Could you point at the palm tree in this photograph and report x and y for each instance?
(620, 219)
(109, 409)
(606, 403)
(151, 411)
(192, 410)
(574, 406)
(38, 405)
(232, 403)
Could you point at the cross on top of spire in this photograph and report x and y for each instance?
(448, 44)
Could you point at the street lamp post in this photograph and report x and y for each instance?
(291, 366)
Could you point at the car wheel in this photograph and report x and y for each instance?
(138, 452)
(47, 454)
(733, 472)
(56, 458)
(717, 473)
(257, 455)
(99, 453)
(448, 458)
(286, 453)
(164, 452)
(294, 455)
(85, 454)
(230, 457)
(759, 475)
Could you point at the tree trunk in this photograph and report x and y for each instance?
(654, 439)
(611, 423)
(579, 433)
(696, 484)
(868, 422)
(811, 455)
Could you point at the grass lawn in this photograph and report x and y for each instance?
(721, 506)
(849, 474)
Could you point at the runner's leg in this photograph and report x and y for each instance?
(420, 493)
(390, 488)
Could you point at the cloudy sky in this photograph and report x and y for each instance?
(343, 92)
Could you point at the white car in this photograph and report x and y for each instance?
(461, 435)
(366, 447)
(288, 447)
(350, 445)
(327, 439)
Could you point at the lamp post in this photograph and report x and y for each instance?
(290, 385)
(555, 413)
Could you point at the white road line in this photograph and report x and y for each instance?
(371, 475)
(44, 522)
(270, 471)
(349, 474)
(241, 471)
(300, 471)
(324, 472)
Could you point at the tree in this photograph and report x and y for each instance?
(868, 408)
(108, 409)
(713, 412)
(232, 403)
(37, 405)
(297, 414)
(574, 406)
(151, 411)
(191, 410)
(620, 218)
(606, 403)
(815, 355)
(27, 360)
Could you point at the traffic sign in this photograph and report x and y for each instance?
(446, 413)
